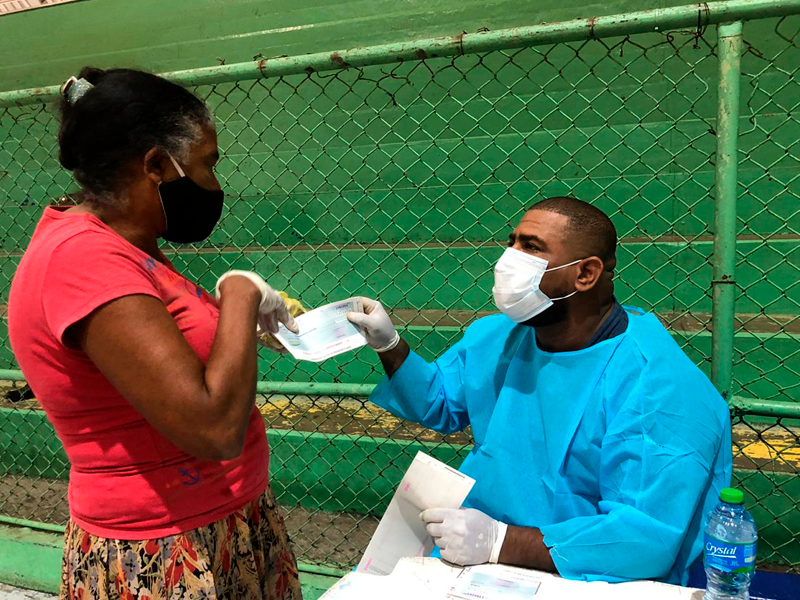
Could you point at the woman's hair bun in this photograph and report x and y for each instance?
(123, 115)
(91, 74)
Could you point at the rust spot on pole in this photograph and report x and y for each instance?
(590, 25)
(337, 60)
(459, 41)
(421, 54)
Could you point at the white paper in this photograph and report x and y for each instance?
(412, 579)
(428, 483)
(492, 582)
(432, 579)
(324, 332)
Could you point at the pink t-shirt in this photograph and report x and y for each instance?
(127, 481)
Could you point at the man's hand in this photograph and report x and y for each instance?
(376, 326)
(465, 536)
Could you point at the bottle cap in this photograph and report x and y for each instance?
(731, 496)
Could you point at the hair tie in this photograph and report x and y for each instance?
(74, 89)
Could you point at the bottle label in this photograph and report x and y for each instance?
(728, 557)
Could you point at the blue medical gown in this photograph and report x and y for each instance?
(615, 452)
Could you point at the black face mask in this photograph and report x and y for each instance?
(191, 210)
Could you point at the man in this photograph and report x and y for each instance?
(599, 446)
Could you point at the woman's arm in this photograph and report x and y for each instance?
(203, 410)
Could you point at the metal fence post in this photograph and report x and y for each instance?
(729, 50)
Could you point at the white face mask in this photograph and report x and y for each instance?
(517, 276)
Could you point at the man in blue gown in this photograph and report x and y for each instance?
(599, 446)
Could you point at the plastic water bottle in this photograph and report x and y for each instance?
(730, 548)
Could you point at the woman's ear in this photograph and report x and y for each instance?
(156, 165)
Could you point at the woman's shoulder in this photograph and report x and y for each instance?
(75, 241)
(77, 247)
(58, 227)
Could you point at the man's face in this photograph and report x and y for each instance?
(542, 233)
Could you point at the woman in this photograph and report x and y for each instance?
(148, 380)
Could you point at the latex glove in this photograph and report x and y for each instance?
(465, 536)
(272, 308)
(376, 326)
(266, 339)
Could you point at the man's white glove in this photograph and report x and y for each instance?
(465, 536)
(272, 308)
(376, 326)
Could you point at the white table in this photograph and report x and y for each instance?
(432, 579)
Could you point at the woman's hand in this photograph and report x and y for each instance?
(271, 310)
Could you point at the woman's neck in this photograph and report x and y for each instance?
(127, 225)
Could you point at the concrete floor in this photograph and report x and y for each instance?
(11, 593)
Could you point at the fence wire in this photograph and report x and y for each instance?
(402, 182)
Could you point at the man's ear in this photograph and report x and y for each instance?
(589, 272)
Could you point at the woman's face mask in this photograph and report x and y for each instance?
(517, 276)
(191, 210)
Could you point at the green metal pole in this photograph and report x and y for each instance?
(753, 406)
(38, 525)
(766, 408)
(660, 19)
(729, 51)
(11, 375)
(307, 388)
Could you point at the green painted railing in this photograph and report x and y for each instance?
(751, 406)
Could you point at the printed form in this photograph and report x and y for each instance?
(325, 332)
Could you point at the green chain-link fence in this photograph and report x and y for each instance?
(398, 172)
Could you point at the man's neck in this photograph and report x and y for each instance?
(574, 332)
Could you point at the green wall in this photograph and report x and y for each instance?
(46, 46)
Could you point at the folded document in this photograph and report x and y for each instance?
(428, 483)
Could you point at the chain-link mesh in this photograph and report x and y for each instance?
(767, 351)
(768, 357)
(402, 182)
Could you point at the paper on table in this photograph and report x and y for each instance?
(428, 483)
(324, 332)
(493, 582)
(430, 579)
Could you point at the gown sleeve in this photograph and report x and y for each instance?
(431, 394)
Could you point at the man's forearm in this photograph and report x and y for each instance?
(524, 547)
(394, 358)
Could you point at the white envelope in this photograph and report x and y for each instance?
(428, 483)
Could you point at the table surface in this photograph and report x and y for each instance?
(432, 579)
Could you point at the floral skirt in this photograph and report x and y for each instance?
(245, 556)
